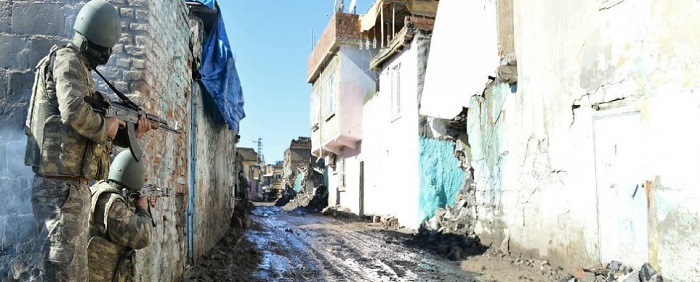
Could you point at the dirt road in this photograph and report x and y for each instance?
(291, 246)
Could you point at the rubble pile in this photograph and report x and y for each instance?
(451, 245)
(456, 219)
(338, 211)
(302, 199)
(287, 196)
(615, 271)
(312, 203)
(241, 218)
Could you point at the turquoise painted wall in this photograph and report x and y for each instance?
(297, 182)
(439, 174)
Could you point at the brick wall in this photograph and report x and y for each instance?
(153, 59)
(342, 27)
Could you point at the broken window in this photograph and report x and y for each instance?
(330, 98)
(396, 92)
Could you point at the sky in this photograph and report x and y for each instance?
(271, 41)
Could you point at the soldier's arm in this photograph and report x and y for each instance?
(127, 228)
(71, 88)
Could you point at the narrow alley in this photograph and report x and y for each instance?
(284, 244)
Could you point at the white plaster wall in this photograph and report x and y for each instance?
(356, 82)
(463, 53)
(390, 147)
(586, 52)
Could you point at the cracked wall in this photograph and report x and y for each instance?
(536, 172)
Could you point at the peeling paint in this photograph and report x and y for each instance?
(440, 176)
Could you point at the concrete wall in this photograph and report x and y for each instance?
(152, 58)
(588, 160)
(214, 175)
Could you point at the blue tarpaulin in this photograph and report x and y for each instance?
(218, 71)
(211, 4)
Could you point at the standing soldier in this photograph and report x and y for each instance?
(67, 143)
(115, 229)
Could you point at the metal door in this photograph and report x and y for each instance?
(621, 197)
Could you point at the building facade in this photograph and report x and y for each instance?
(157, 35)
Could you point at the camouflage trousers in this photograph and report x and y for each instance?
(61, 208)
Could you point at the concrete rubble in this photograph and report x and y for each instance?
(615, 271)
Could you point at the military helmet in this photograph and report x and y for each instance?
(98, 21)
(126, 171)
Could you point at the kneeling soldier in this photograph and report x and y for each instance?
(115, 229)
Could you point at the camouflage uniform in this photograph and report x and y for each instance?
(115, 231)
(67, 145)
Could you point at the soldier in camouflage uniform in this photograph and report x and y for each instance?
(115, 229)
(67, 143)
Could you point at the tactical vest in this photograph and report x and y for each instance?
(54, 148)
(108, 261)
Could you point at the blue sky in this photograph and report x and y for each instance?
(271, 41)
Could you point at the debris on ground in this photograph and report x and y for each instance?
(309, 202)
(615, 271)
(233, 247)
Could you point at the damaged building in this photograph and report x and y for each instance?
(300, 172)
(375, 74)
(552, 128)
(159, 61)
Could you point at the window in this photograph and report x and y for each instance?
(330, 97)
(396, 92)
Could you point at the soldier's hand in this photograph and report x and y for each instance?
(153, 199)
(142, 202)
(144, 126)
(113, 125)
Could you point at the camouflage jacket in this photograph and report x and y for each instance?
(114, 230)
(65, 136)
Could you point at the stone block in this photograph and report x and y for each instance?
(126, 13)
(10, 47)
(123, 62)
(20, 87)
(17, 194)
(14, 156)
(5, 16)
(38, 18)
(132, 75)
(18, 228)
(135, 51)
(138, 27)
(139, 64)
(36, 50)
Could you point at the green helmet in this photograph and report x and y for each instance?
(98, 21)
(126, 171)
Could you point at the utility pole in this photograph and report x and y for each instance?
(260, 153)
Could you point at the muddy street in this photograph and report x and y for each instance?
(293, 246)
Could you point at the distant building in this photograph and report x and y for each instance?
(297, 161)
(250, 165)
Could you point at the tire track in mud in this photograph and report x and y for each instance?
(328, 251)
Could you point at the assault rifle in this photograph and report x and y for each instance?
(127, 111)
(150, 190)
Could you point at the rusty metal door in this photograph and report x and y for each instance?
(621, 197)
